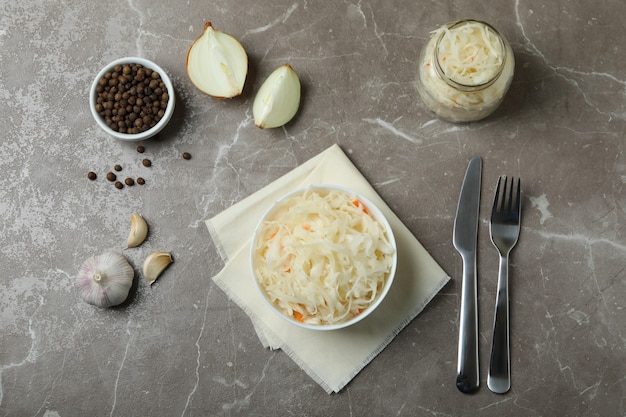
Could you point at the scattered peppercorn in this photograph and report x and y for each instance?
(141, 149)
(92, 175)
(131, 98)
(129, 182)
(119, 185)
(118, 168)
(186, 155)
(146, 162)
(141, 181)
(111, 176)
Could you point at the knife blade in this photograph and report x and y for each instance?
(465, 237)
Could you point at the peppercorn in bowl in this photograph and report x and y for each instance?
(132, 99)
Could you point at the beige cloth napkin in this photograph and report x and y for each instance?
(331, 358)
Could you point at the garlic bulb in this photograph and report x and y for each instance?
(217, 64)
(105, 280)
(278, 99)
(155, 264)
(138, 230)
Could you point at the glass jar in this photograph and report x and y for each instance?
(465, 70)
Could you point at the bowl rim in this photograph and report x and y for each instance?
(169, 110)
(373, 209)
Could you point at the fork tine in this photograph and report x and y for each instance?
(506, 204)
(509, 207)
(518, 197)
(495, 206)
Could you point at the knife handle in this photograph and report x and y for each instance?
(467, 378)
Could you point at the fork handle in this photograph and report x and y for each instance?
(499, 376)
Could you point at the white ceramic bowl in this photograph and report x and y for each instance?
(150, 132)
(372, 210)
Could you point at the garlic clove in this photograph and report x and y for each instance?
(138, 230)
(105, 280)
(155, 264)
(278, 99)
(217, 64)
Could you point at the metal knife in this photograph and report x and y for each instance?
(465, 241)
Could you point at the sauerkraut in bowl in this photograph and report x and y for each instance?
(323, 257)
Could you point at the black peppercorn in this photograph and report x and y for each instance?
(92, 175)
(117, 168)
(141, 181)
(141, 149)
(146, 162)
(119, 185)
(129, 182)
(186, 155)
(111, 176)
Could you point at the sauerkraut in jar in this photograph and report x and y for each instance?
(465, 70)
(323, 256)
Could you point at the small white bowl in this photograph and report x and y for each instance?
(372, 210)
(169, 110)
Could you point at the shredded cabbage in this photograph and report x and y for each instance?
(321, 257)
(471, 55)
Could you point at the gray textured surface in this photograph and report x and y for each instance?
(181, 347)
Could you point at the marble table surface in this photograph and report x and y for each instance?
(181, 347)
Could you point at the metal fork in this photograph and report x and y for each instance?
(504, 229)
